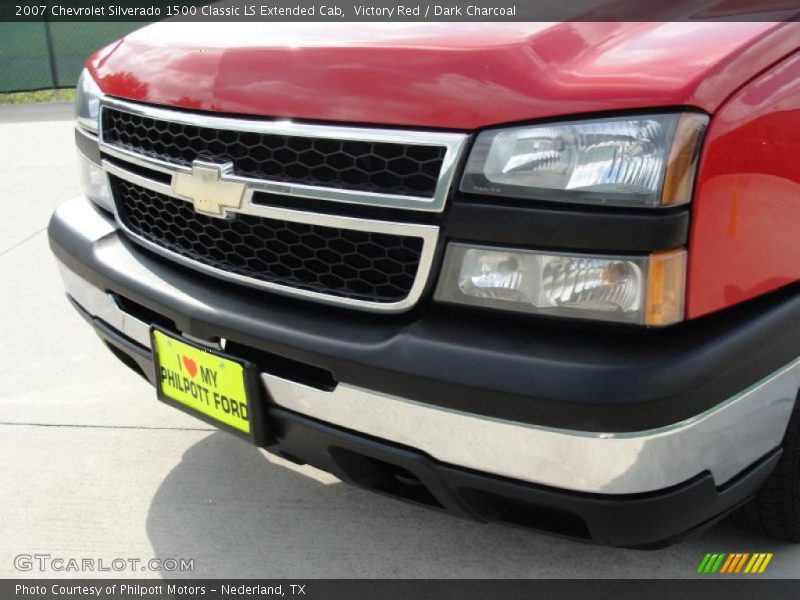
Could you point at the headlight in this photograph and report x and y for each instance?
(87, 102)
(636, 161)
(87, 113)
(646, 290)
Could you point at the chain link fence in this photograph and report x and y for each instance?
(44, 55)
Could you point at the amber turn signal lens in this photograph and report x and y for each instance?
(666, 280)
(683, 157)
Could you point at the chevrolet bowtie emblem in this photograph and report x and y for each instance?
(206, 187)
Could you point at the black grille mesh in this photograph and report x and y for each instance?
(341, 262)
(380, 167)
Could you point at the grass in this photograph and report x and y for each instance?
(67, 95)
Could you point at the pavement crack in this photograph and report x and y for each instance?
(21, 242)
(78, 426)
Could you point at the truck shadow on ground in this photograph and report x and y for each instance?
(239, 513)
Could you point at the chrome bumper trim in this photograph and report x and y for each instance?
(724, 440)
(103, 306)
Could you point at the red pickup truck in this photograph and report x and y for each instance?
(539, 274)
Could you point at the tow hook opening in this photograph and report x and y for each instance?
(520, 513)
(384, 477)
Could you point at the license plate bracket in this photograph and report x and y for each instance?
(218, 388)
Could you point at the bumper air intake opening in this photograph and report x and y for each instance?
(285, 368)
(143, 313)
(384, 477)
(496, 508)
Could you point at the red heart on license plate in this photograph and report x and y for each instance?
(190, 365)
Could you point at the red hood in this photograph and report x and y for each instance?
(449, 75)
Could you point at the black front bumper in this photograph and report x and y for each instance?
(534, 371)
(571, 376)
(635, 521)
(647, 521)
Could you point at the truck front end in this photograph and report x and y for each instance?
(566, 303)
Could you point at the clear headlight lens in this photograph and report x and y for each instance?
(87, 114)
(646, 290)
(646, 160)
(87, 102)
(95, 184)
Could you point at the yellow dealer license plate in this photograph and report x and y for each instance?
(203, 381)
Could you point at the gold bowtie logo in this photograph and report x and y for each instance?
(206, 187)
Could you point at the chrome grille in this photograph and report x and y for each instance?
(369, 166)
(363, 265)
(325, 255)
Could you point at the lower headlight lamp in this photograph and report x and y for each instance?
(635, 289)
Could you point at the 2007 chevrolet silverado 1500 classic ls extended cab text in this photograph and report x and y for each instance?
(540, 274)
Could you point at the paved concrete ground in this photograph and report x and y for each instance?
(91, 465)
